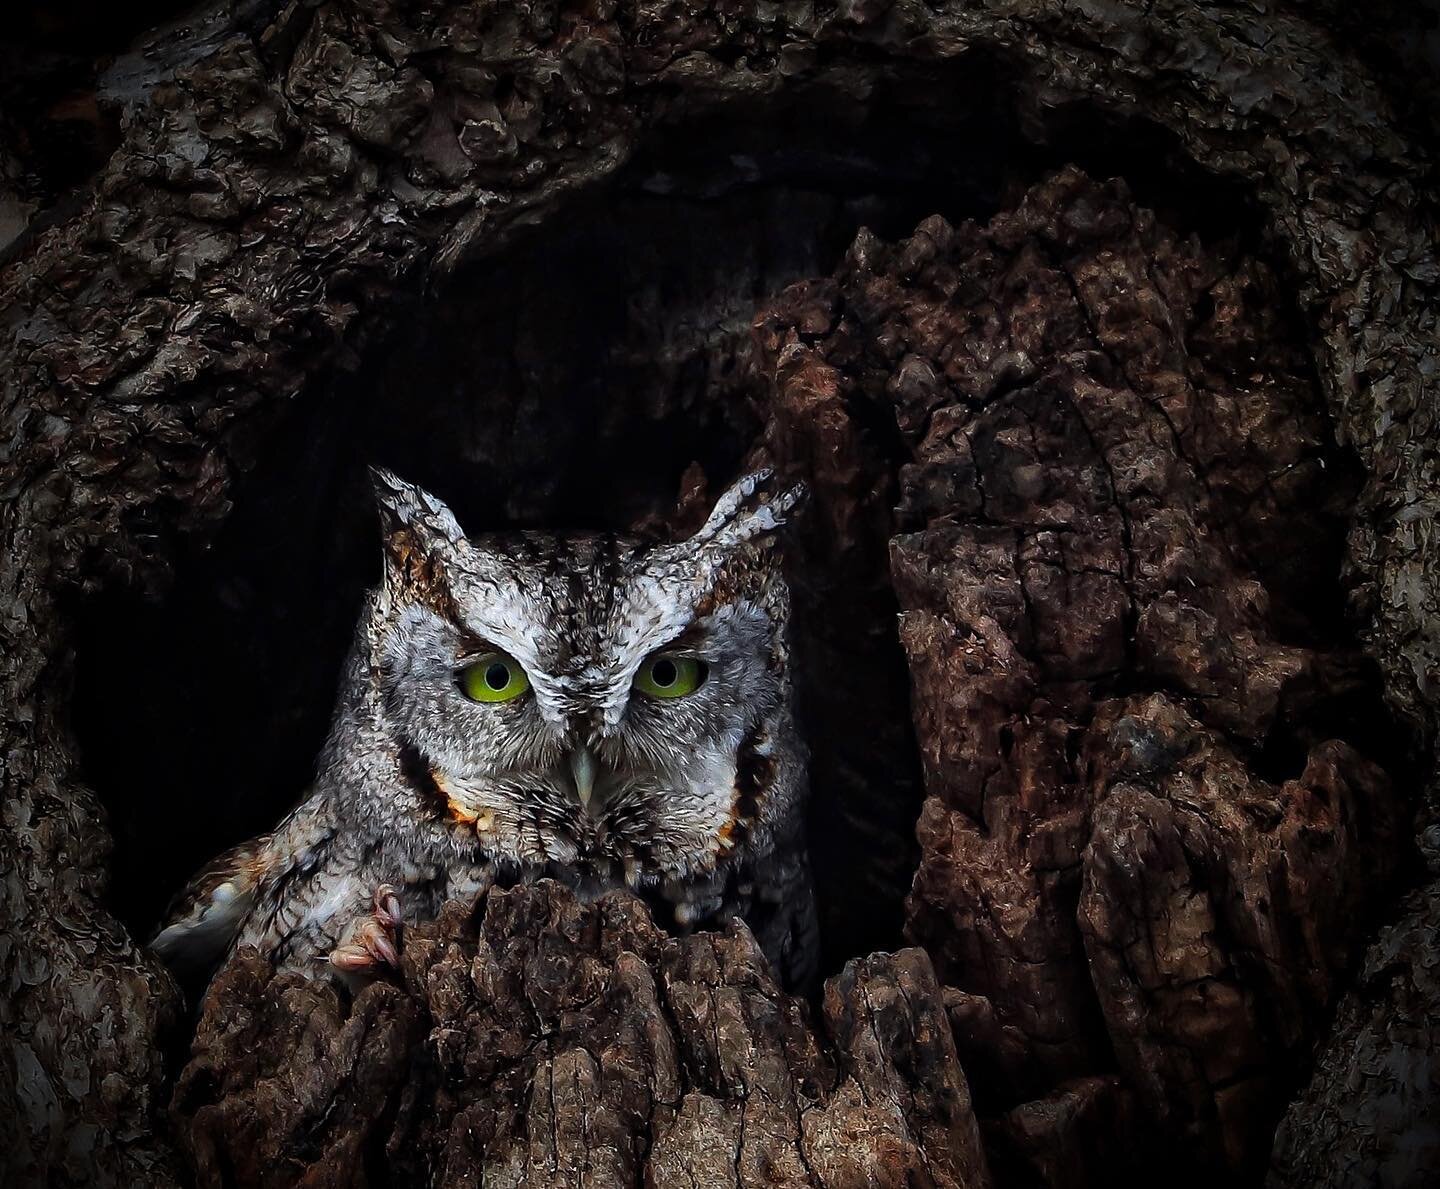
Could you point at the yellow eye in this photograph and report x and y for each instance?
(665, 675)
(493, 677)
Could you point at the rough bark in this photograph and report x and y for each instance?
(1371, 1113)
(540, 1041)
(1118, 518)
(285, 173)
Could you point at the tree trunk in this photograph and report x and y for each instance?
(1145, 466)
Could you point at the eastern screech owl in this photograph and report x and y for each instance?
(588, 708)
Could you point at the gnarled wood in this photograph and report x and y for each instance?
(285, 173)
(542, 1042)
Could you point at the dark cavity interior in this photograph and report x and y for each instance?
(580, 377)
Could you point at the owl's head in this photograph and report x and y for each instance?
(591, 700)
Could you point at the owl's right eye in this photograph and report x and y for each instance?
(493, 677)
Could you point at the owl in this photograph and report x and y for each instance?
(592, 709)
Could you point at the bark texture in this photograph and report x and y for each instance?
(1118, 516)
(286, 173)
(542, 1042)
(1371, 1113)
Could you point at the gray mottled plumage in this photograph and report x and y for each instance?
(695, 801)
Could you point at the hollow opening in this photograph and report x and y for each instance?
(581, 377)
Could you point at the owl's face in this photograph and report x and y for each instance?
(586, 700)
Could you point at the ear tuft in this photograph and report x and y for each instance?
(419, 534)
(747, 511)
(405, 508)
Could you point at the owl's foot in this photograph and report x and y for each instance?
(694, 903)
(374, 941)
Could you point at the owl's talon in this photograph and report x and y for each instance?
(372, 942)
(376, 938)
(353, 959)
(387, 906)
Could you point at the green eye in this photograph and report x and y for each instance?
(667, 676)
(493, 677)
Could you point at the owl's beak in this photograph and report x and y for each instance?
(582, 768)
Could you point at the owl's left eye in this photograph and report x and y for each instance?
(493, 677)
(666, 675)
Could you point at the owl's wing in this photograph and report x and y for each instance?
(203, 920)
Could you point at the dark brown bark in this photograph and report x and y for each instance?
(1142, 845)
(550, 1042)
(1369, 1114)
(286, 177)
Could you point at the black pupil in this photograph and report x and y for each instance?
(663, 672)
(497, 676)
